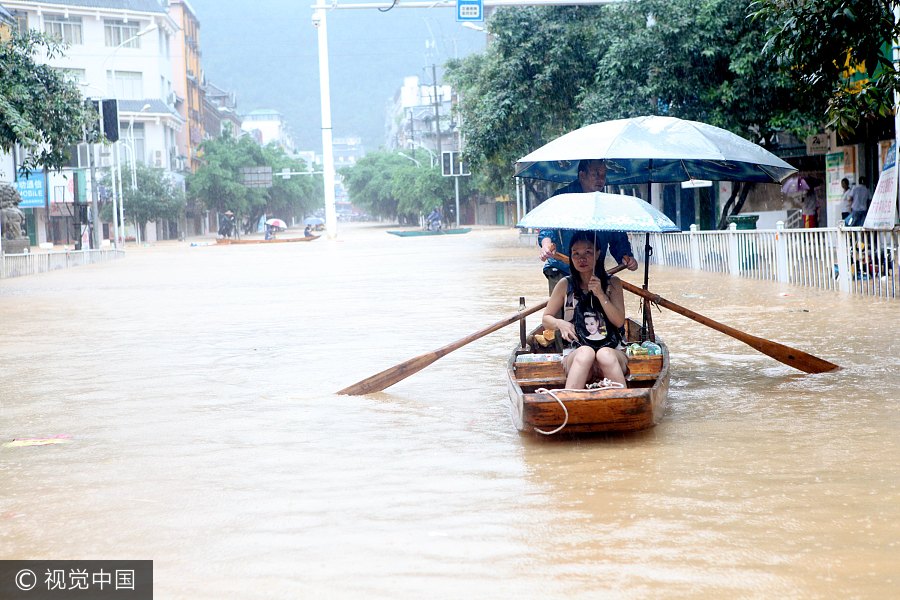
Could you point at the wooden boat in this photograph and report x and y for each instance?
(418, 232)
(640, 405)
(229, 241)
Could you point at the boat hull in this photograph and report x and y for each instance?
(231, 242)
(639, 406)
(417, 233)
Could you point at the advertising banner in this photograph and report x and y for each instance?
(883, 207)
(31, 190)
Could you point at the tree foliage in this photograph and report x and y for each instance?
(820, 43)
(40, 109)
(218, 183)
(524, 89)
(388, 185)
(549, 70)
(156, 197)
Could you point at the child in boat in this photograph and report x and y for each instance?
(588, 295)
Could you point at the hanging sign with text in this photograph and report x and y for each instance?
(883, 207)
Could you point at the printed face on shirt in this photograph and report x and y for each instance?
(593, 179)
(595, 328)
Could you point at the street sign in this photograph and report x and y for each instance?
(256, 177)
(469, 10)
(817, 144)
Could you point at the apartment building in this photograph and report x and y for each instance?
(121, 49)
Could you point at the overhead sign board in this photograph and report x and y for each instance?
(256, 177)
(469, 10)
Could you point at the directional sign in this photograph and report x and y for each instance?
(469, 10)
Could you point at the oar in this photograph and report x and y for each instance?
(389, 377)
(785, 354)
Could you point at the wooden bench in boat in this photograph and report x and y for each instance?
(531, 375)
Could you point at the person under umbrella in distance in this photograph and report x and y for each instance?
(584, 297)
(591, 178)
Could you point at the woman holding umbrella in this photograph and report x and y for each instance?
(588, 294)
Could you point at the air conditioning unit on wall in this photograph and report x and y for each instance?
(172, 97)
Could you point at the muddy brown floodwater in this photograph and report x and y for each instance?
(197, 386)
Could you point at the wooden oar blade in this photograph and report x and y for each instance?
(389, 377)
(793, 357)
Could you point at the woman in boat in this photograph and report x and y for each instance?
(588, 294)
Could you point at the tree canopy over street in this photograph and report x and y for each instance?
(838, 50)
(389, 185)
(549, 70)
(218, 184)
(40, 109)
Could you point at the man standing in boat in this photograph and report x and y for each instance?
(591, 178)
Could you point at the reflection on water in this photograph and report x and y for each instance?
(197, 385)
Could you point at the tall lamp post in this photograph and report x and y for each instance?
(114, 92)
(132, 160)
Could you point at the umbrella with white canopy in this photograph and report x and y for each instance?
(655, 149)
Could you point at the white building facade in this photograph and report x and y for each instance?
(117, 49)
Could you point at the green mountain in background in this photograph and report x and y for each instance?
(267, 53)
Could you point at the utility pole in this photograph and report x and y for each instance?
(95, 204)
(437, 107)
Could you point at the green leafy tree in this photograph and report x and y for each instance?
(524, 90)
(155, 198)
(549, 70)
(218, 183)
(39, 108)
(390, 186)
(818, 43)
(696, 60)
(297, 196)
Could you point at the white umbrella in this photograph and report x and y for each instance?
(597, 211)
(655, 149)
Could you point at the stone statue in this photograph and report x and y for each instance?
(12, 220)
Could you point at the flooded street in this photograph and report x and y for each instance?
(197, 387)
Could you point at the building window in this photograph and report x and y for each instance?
(21, 18)
(121, 34)
(126, 85)
(76, 76)
(67, 29)
(137, 130)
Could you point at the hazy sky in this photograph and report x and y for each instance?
(267, 52)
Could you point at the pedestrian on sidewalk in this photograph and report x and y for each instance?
(860, 203)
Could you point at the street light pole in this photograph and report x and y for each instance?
(319, 22)
(418, 164)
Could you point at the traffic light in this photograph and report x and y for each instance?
(110, 118)
(107, 123)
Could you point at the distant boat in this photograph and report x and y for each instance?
(418, 232)
(229, 241)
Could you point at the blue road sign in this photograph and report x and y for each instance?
(469, 10)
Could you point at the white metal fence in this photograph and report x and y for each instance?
(846, 259)
(16, 265)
